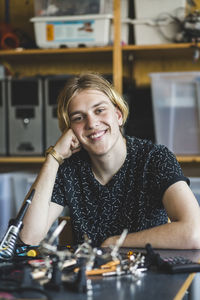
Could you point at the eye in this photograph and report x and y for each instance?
(76, 119)
(100, 110)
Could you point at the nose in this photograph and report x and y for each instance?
(92, 121)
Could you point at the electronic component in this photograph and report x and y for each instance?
(8, 244)
(176, 264)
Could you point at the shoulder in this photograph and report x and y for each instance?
(146, 147)
(148, 154)
(139, 146)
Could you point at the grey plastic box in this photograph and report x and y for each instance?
(176, 111)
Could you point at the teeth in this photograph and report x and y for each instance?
(96, 135)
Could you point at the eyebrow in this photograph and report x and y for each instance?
(80, 112)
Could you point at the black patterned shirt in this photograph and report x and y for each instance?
(132, 199)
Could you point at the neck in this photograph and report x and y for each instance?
(104, 167)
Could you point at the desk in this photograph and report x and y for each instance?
(152, 285)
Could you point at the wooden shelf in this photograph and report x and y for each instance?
(138, 61)
(172, 46)
(136, 48)
(20, 159)
(188, 159)
(166, 51)
(45, 62)
(32, 52)
(41, 159)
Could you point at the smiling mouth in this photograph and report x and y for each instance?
(97, 135)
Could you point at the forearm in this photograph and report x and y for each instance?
(175, 235)
(36, 220)
(42, 212)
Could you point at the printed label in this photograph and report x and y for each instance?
(70, 31)
(50, 32)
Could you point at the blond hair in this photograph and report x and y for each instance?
(85, 81)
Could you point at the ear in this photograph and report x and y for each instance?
(119, 116)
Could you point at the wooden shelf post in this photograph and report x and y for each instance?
(117, 49)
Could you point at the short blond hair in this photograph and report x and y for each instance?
(85, 81)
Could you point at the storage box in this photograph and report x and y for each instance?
(90, 30)
(55, 32)
(176, 111)
(77, 7)
(152, 31)
(155, 8)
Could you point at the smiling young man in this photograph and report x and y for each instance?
(95, 122)
(110, 181)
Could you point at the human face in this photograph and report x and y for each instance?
(95, 121)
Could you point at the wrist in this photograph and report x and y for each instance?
(57, 156)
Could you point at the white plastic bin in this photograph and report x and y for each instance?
(90, 30)
(77, 7)
(176, 111)
(54, 32)
(154, 8)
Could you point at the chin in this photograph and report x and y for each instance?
(98, 149)
(99, 152)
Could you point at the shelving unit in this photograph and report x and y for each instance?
(74, 63)
(131, 61)
(28, 62)
(57, 61)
